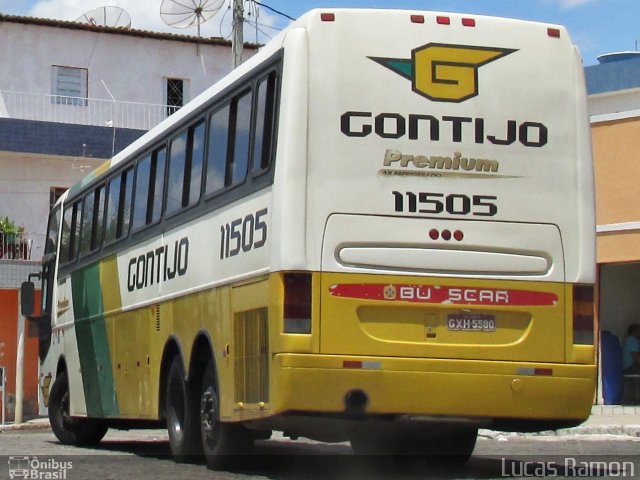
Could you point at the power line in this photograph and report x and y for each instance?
(273, 10)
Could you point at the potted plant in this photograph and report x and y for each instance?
(10, 238)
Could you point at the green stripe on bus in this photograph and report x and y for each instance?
(93, 343)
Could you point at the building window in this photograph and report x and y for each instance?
(54, 194)
(175, 94)
(69, 86)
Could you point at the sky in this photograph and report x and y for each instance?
(596, 26)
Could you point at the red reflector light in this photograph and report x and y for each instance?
(417, 18)
(553, 32)
(545, 372)
(446, 235)
(297, 303)
(443, 20)
(583, 314)
(468, 22)
(434, 234)
(458, 235)
(327, 17)
(351, 364)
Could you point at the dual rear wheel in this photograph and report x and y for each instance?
(193, 421)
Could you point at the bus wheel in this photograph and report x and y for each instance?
(182, 416)
(71, 430)
(223, 443)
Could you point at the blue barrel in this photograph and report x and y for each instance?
(611, 357)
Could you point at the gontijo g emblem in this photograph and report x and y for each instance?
(444, 73)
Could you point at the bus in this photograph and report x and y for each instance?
(380, 229)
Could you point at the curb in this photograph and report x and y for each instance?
(631, 431)
(42, 425)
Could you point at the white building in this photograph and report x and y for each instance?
(73, 94)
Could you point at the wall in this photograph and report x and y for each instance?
(132, 68)
(616, 154)
(25, 180)
(8, 341)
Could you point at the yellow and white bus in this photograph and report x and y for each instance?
(380, 228)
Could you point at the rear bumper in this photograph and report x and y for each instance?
(432, 387)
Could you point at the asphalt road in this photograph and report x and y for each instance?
(145, 455)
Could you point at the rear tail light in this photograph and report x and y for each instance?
(468, 22)
(327, 17)
(417, 18)
(297, 303)
(443, 20)
(583, 315)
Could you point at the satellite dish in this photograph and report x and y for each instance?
(189, 13)
(106, 17)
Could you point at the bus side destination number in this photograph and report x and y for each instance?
(454, 204)
(243, 234)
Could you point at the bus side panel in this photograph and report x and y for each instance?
(94, 345)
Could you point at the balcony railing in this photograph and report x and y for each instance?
(15, 246)
(81, 111)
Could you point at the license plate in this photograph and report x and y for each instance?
(471, 323)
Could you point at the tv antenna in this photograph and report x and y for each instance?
(106, 17)
(189, 13)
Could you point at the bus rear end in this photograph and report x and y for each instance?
(445, 268)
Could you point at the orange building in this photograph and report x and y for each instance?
(614, 104)
(9, 314)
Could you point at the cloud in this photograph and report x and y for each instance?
(568, 4)
(145, 15)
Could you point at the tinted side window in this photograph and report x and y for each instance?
(147, 205)
(98, 225)
(217, 151)
(177, 167)
(264, 127)
(185, 168)
(197, 134)
(51, 243)
(71, 224)
(87, 224)
(157, 184)
(118, 215)
(242, 130)
(141, 200)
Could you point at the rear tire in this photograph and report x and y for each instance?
(71, 430)
(182, 416)
(224, 444)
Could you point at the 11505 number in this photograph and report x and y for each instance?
(243, 234)
(454, 204)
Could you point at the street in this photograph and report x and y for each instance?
(145, 455)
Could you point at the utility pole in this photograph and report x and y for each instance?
(237, 41)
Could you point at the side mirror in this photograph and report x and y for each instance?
(27, 298)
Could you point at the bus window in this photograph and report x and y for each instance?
(113, 204)
(197, 159)
(141, 201)
(217, 152)
(263, 138)
(51, 243)
(185, 168)
(118, 215)
(96, 237)
(177, 167)
(241, 132)
(158, 167)
(71, 223)
(126, 195)
(87, 224)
